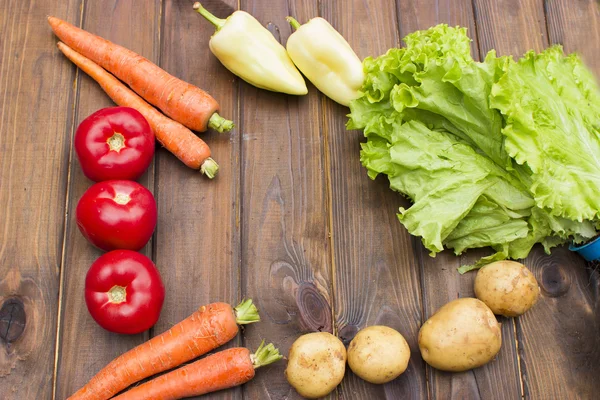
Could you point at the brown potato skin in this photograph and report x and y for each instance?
(316, 364)
(462, 335)
(378, 354)
(508, 288)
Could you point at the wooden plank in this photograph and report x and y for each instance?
(414, 15)
(576, 25)
(35, 103)
(498, 379)
(83, 343)
(376, 272)
(197, 242)
(511, 28)
(441, 283)
(559, 360)
(285, 250)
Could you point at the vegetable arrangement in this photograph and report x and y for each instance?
(175, 137)
(206, 329)
(249, 50)
(228, 368)
(464, 333)
(495, 153)
(181, 101)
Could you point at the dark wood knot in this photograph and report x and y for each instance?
(12, 319)
(347, 333)
(314, 310)
(555, 280)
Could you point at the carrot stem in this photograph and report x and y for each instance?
(265, 355)
(246, 313)
(220, 124)
(295, 24)
(217, 22)
(209, 168)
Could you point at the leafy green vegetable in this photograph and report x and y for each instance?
(552, 111)
(432, 129)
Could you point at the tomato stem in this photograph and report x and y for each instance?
(117, 294)
(122, 198)
(116, 142)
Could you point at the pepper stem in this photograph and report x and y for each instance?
(265, 355)
(246, 312)
(220, 124)
(209, 168)
(295, 24)
(217, 22)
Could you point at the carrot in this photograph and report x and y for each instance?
(175, 137)
(206, 329)
(180, 100)
(222, 370)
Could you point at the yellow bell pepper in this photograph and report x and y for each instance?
(250, 51)
(326, 59)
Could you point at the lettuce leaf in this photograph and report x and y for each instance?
(432, 129)
(552, 111)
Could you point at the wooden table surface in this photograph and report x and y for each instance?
(291, 221)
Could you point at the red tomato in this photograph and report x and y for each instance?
(117, 215)
(114, 143)
(124, 292)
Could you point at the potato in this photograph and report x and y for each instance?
(507, 288)
(378, 354)
(316, 364)
(462, 335)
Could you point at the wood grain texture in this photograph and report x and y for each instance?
(576, 25)
(291, 221)
(440, 281)
(414, 15)
(511, 27)
(376, 273)
(35, 103)
(285, 251)
(197, 241)
(83, 343)
(499, 379)
(559, 361)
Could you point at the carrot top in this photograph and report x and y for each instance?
(265, 355)
(246, 312)
(219, 123)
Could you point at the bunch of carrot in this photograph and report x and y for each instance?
(206, 329)
(187, 105)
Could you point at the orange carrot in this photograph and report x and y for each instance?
(222, 370)
(206, 329)
(180, 100)
(175, 137)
